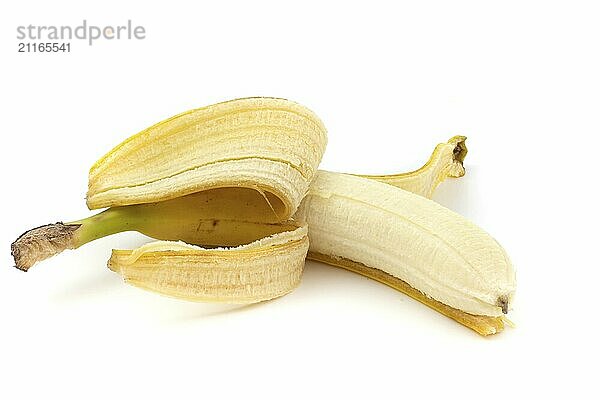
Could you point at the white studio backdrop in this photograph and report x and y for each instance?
(389, 80)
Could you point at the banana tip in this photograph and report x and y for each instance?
(503, 303)
(459, 152)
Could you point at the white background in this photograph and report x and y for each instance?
(521, 79)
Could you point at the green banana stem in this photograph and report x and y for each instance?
(106, 223)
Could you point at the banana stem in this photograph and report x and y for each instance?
(45, 241)
(106, 223)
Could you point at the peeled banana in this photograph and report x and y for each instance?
(233, 194)
(426, 245)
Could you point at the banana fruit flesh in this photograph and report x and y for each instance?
(233, 194)
(433, 249)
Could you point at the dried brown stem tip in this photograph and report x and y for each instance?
(503, 303)
(458, 156)
(460, 151)
(42, 242)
